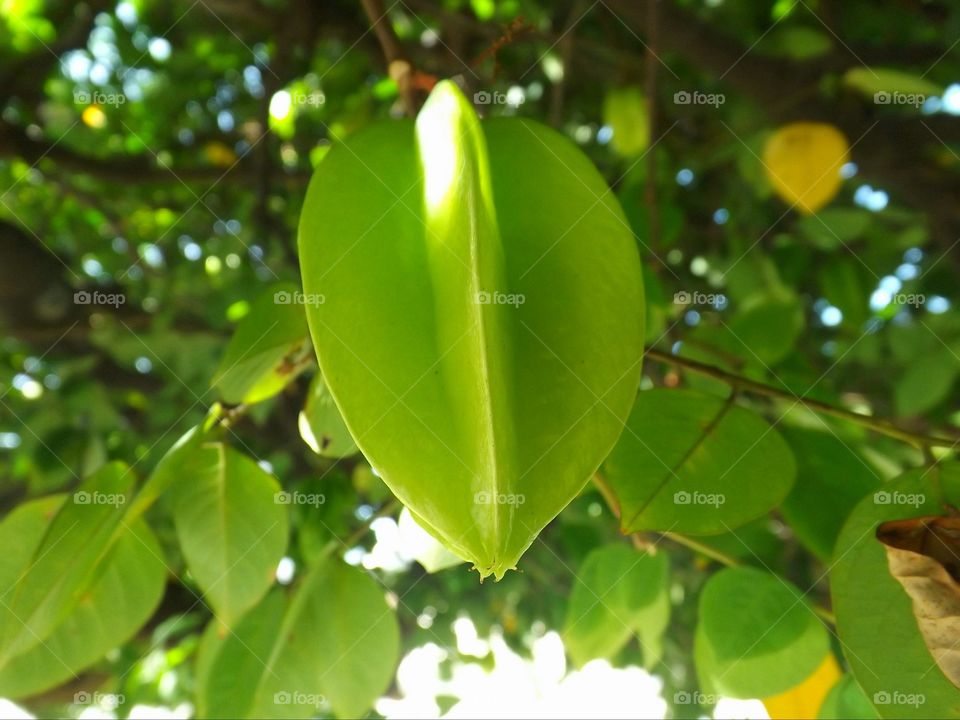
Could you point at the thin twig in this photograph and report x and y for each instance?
(690, 543)
(651, 64)
(398, 67)
(879, 425)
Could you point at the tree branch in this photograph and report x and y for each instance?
(878, 425)
(398, 67)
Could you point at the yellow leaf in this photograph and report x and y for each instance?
(625, 112)
(219, 154)
(803, 161)
(94, 117)
(804, 700)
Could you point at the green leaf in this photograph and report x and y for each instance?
(827, 467)
(833, 228)
(795, 42)
(695, 463)
(870, 81)
(618, 593)
(625, 111)
(878, 630)
(766, 329)
(124, 594)
(844, 283)
(62, 567)
(231, 522)
(502, 344)
(265, 349)
(334, 643)
(167, 472)
(845, 700)
(927, 382)
(756, 636)
(321, 424)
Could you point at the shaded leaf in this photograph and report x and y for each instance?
(691, 462)
(262, 355)
(618, 593)
(756, 636)
(894, 667)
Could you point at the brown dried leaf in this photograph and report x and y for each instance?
(936, 605)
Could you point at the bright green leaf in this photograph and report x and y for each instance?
(63, 564)
(265, 349)
(321, 424)
(625, 111)
(121, 598)
(231, 521)
(483, 318)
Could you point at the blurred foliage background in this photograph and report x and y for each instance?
(161, 150)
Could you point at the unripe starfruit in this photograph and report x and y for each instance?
(803, 160)
(481, 321)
